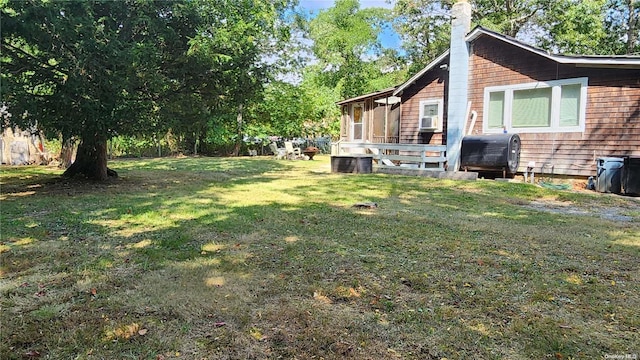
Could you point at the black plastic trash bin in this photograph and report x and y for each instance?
(631, 175)
(355, 163)
(609, 179)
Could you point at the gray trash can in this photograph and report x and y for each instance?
(631, 175)
(609, 175)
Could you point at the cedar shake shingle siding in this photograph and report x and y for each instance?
(430, 86)
(612, 126)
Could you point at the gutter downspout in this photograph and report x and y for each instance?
(458, 81)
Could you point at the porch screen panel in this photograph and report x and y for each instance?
(531, 108)
(344, 119)
(570, 105)
(496, 110)
(379, 112)
(393, 127)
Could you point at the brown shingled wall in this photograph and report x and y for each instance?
(613, 107)
(430, 86)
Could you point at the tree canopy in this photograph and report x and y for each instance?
(347, 45)
(594, 27)
(586, 27)
(95, 69)
(205, 70)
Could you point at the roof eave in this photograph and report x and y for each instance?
(365, 96)
(420, 73)
(624, 62)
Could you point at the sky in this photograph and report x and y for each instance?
(323, 4)
(388, 38)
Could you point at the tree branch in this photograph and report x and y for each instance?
(524, 18)
(16, 49)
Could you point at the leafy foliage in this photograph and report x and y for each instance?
(509, 17)
(282, 111)
(79, 67)
(567, 26)
(424, 25)
(576, 27)
(97, 69)
(345, 41)
(424, 28)
(622, 19)
(600, 27)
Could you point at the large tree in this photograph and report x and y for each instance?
(575, 27)
(564, 26)
(424, 24)
(244, 43)
(99, 68)
(347, 46)
(623, 21)
(601, 27)
(509, 17)
(307, 109)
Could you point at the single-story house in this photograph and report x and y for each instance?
(567, 110)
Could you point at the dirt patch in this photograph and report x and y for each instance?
(567, 207)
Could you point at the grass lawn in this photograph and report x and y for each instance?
(254, 258)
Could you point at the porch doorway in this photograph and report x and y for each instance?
(357, 124)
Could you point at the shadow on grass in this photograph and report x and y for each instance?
(167, 172)
(267, 259)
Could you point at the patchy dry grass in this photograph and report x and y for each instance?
(253, 258)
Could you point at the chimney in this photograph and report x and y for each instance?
(458, 81)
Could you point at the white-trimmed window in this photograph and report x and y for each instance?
(431, 112)
(551, 106)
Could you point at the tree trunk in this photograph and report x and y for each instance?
(196, 142)
(91, 161)
(67, 152)
(159, 144)
(631, 27)
(236, 150)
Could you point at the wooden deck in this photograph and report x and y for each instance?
(404, 159)
(410, 156)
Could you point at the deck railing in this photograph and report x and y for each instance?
(409, 156)
(386, 139)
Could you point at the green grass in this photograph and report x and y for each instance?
(253, 258)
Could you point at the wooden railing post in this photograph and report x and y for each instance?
(390, 154)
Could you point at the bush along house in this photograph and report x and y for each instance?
(557, 113)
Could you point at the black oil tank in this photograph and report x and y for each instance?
(491, 152)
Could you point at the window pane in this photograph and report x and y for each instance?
(430, 110)
(496, 110)
(531, 108)
(357, 122)
(357, 131)
(357, 114)
(570, 105)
